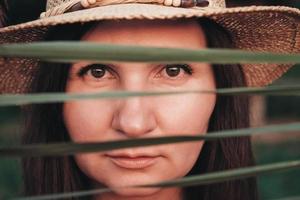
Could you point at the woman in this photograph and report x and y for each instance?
(140, 117)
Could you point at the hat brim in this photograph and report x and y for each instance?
(254, 28)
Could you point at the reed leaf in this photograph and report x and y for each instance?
(21, 99)
(290, 198)
(61, 149)
(209, 178)
(73, 51)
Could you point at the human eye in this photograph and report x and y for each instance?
(176, 71)
(95, 72)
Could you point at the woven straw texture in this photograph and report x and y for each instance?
(255, 28)
(54, 3)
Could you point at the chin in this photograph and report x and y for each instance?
(134, 181)
(136, 192)
(130, 180)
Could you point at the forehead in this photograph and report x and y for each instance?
(159, 33)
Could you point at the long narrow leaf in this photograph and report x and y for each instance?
(227, 175)
(9, 100)
(290, 198)
(209, 178)
(74, 51)
(60, 149)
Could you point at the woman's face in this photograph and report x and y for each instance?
(140, 117)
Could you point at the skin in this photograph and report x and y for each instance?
(141, 117)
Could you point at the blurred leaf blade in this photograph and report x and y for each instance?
(62, 149)
(75, 51)
(290, 198)
(21, 99)
(209, 178)
(229, 174)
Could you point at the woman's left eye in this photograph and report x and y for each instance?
(177, 70)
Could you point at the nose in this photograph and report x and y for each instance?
(134, 117)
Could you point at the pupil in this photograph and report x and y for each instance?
(97, 72)
(173, 71)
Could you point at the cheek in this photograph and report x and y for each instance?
(88, 120)
(188, 113)
(185, 157)
(185, 114)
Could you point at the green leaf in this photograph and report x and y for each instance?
(60, 149)
(21, 99)
(209, 178)
(290, 198)
(74, 51)
(227, 175)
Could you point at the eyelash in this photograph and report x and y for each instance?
(84, 70)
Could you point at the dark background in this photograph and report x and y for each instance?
(267, 150)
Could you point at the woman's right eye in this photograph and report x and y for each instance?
(95, 72)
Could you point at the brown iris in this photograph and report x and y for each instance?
(97, 72)
(173, 71)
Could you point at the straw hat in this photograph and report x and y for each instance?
(255, 28)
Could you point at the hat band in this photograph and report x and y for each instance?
(76, 5)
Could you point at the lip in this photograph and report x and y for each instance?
(133, 162)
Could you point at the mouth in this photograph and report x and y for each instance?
(133, 161)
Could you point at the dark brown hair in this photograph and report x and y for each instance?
(44, 124)
(3, 13)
